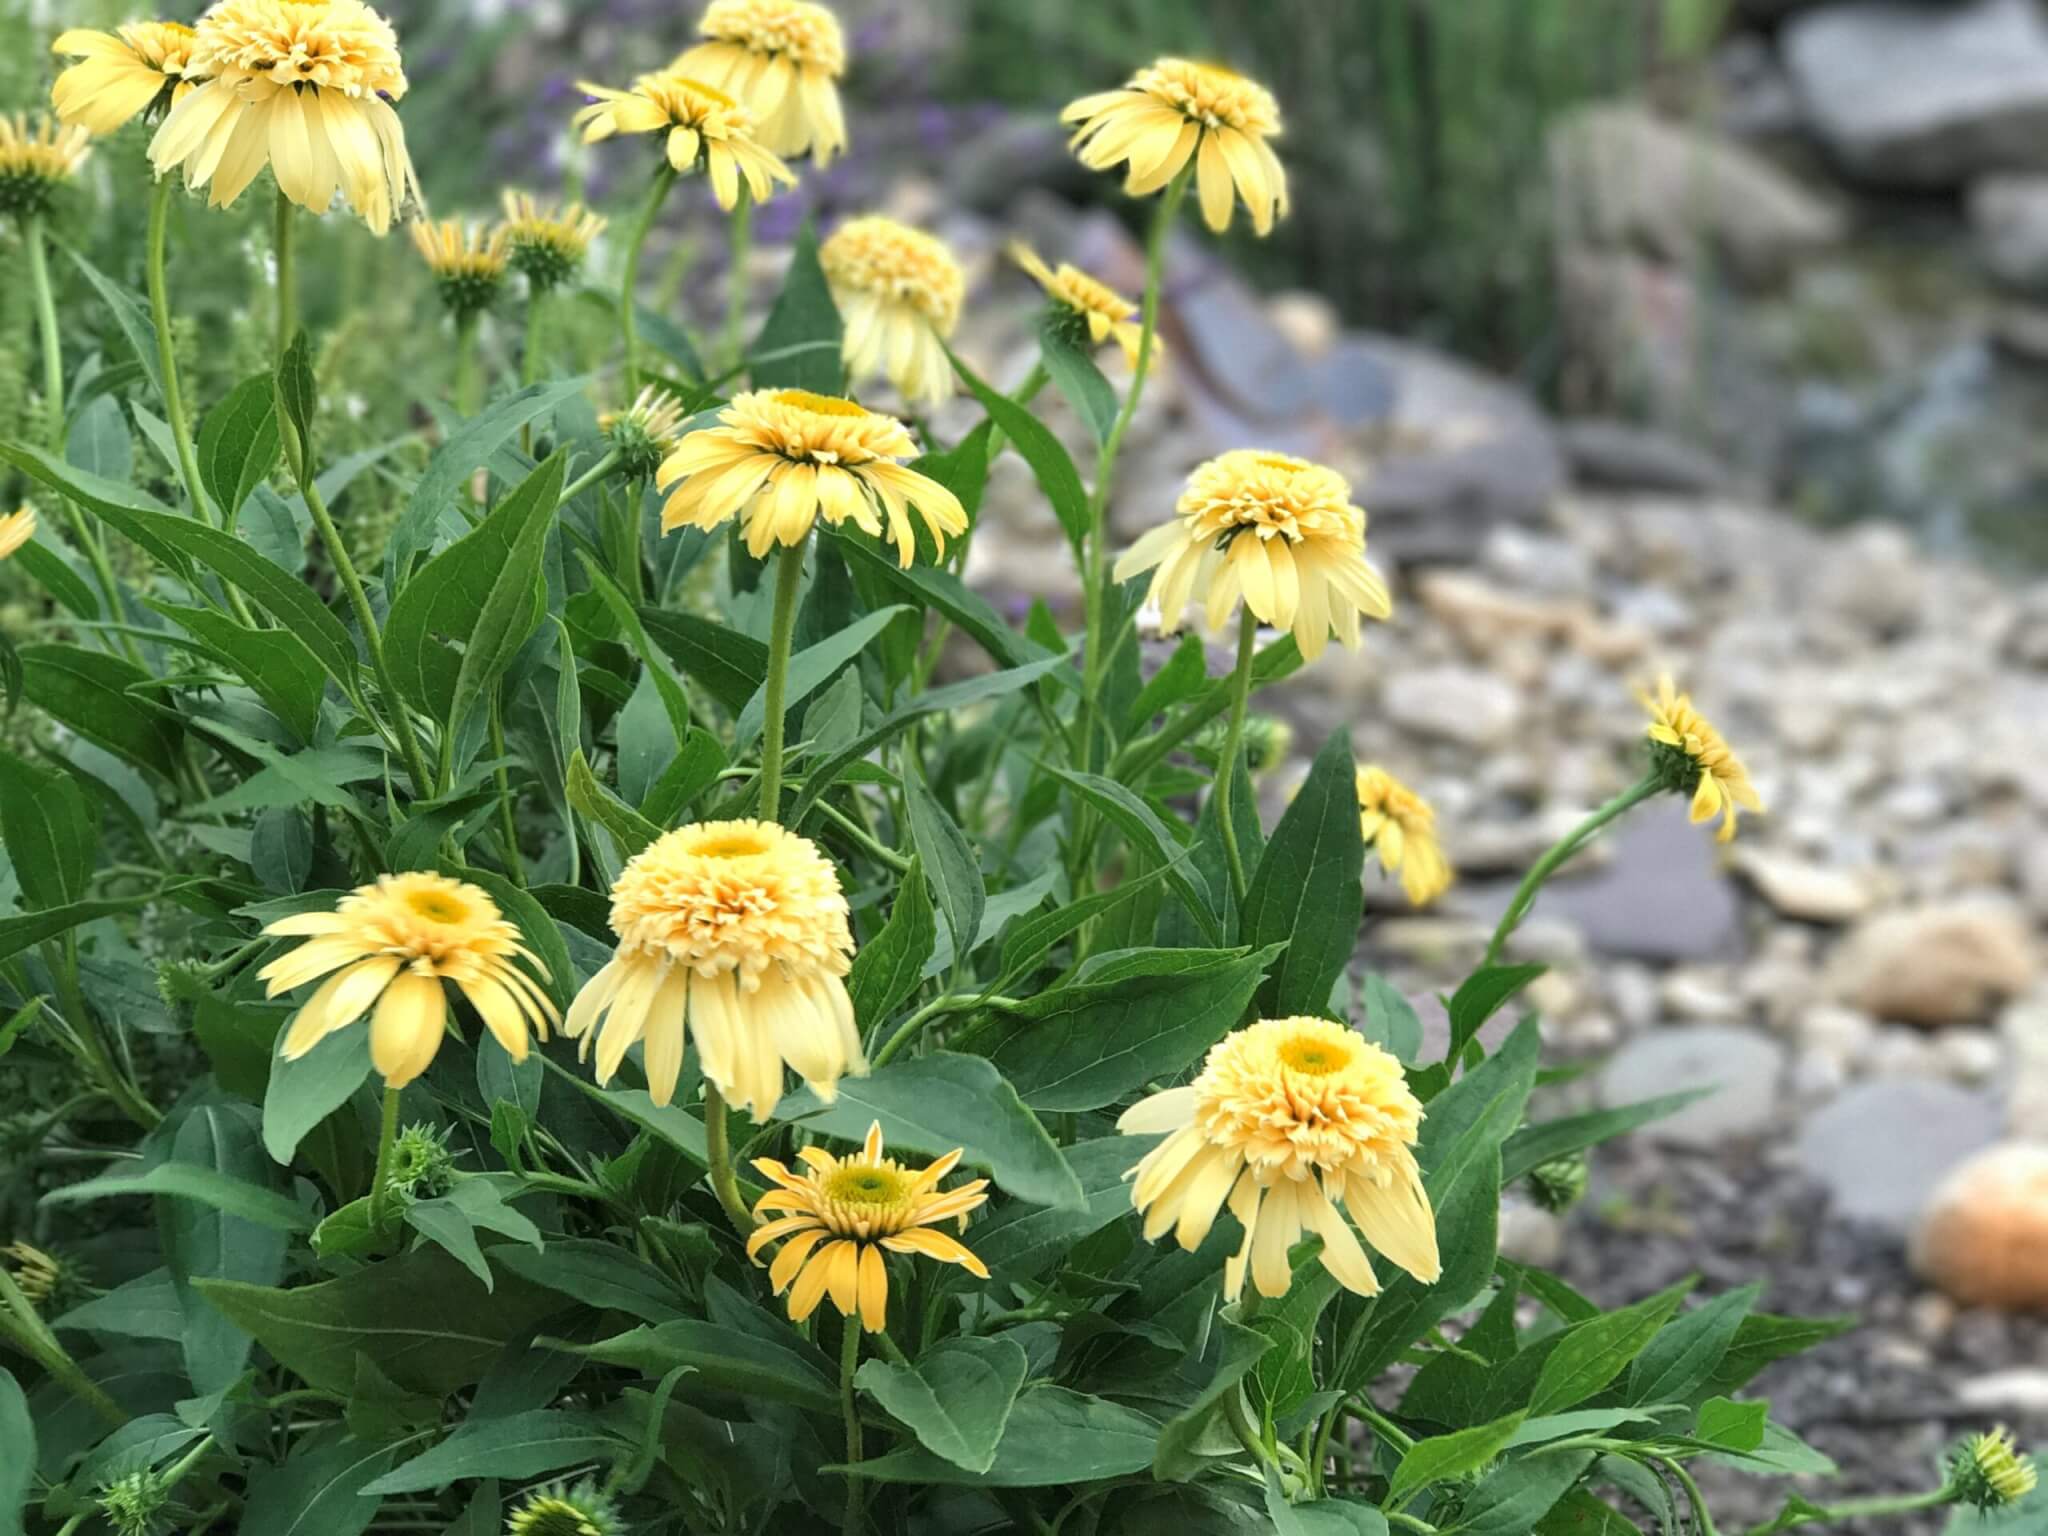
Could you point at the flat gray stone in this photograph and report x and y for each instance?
(1661, 897)
(1743, 1068)
(1883, 1147)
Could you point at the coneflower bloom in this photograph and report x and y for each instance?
(36, 1274)
(1175, 111)
(704, 127)
(548, 243)
(304, 87)
(783, 58)
(1400, 827)
(16, 529)
(566, 1509)
(393, 945)
(132, 71)
(780, 459)
(1988, 1472)
(37, 156)
(844, 1213)
(468, 262)
(1102, 312)
(645, 432)
(737, 931)
(1692, 759)
(1278, 532)
(1293, 1122)
(899, 292)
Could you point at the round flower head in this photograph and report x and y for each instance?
(16, 529)
(548, 243)
(1692, 759)
(566, 1509)
(37, 156)
(1989, 1472)
(134, 70)
(468, 263)
(1177, 111)
(46, 1282)
(780, 458)
(783, 58)
(704, 126)
(1294, 1122)
(1278, 531)
(393, 944)
(899, 291)
(304, 87)
(737, 928)
(1094, 309)
(1401, 826)
(842, 1215)
(645, 433)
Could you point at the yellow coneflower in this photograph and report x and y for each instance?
(566, 1509)
(16, 529)
(548, 243)
(1693, 759)
(36, 1274)
(1400, 826)
(703, 124)
(899, 292)
(1177, 110)
(393, 944)
(736, 930)
(645, 432)
(783, 58)
(779, 459)
(141, 68)
(1106, 314)
(1293, 1122)
(468, 262)
(37, 156)
(844, 1213)
(1990, 1473)
(304, 87)
(1277, 531)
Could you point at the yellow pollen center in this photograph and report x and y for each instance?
(1315, 1058)
(436, 907)
(735, 846)
(822, 405)
(865, 1184)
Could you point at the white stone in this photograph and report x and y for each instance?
(1813, 893)
(1462, 705)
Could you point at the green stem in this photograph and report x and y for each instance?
(789, 575)
(508, 822)
(1247, 1435)
(380, 1181)
(849, 1361)
(29, 1333)
(1702, 1518)
(536, 329)
(1559, 854)
(734, 347)
(1860, 1509)
(629, 324)
(1233, 741)
(911, 1027)
(1409, 1522)
(467, 379)
(167, 352)
(590, 477)
(718, 1156)
(286, 251)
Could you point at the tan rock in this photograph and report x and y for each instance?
(1984, 1236)
(1813, 893)
(1943, 963)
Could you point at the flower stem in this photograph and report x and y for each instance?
(508, 821)
(20, 1325)
(1860, 1509)
(733, 349)
(718, 1156)
(849, 1360)
(789, 575)
(286, 252)
(1233, 741)
(467, 379)
(167, 352)
(536, 332)
(590, 477)
(380, 1181)
(1559, 854)
(629, 324)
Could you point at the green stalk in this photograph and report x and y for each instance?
(1559, 854)
(287, 275)
(508, 821)
(468, 382)
(718, 1156)
(590, 477)
(849, 1361)
(387, 1138)
(20, 1325)
(167, 353)
(629, 325)
(1861, 1509)
(733, 348)
(536, 330)
(789, 574)
(1233, 741)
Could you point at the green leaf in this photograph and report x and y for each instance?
(99, 441)
(1578, 1513)
(1586, 1421)
(936, 1102)
(188, 1181)
(144, 1308)
(1075, 375)
(1001, 910)
(44, 566)
(31, 928)
(782, 1369)
(421, 1316)
(629, 829)
(238, 444)
(130, 315)
(1391, 1021)
(1483, 994)
(1148, 835)
(946, 595)
(957, 1397)
(888, 967)
(948, 859)
(1307, 892)
(1142, 1016)
(217, 1240)
(89, 691)
(1447, 1456)
(298, 390)
(1593, 1353)
(49, 832)
(17, 1454)
(1679, 1359)
(1762, 1338)
(1054, 1438)
(276, 663)
(814, 666)
(598, 1274)
(1233, 1350)
(519, 1446)
(1186, 670)
(1021, 1240)
(673, 697)
(725, 663)
(1050, 463)
(1512, 1498)
(1033, 936)
(318, 1491)
(803, 327)
(1534, 1145)
(305, 1092)
(1732, 1426)
(1778, 1453)
(317, 777)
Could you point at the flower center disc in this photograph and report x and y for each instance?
(733, 846)
(864, 1184)
(437, 907)
(823, 405)
(1315, 1058)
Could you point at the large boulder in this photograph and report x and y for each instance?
(1984, 1237)
(1915, 95)
(1949, 962)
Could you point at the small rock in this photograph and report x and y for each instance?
(1701, 997)
(1456, 704)
(1812, 893)
(1842, 1035)
(1984, 1238)
(1529, 1235)
(1621, 456)
(1945, 963)
(2012, 1392)
(2009, 219)
(2026, 640)
(1742, 1068)
(1859, 1148)
(1308, 320)
(1876, 578)
(1971, 1057)
(2023, 1033)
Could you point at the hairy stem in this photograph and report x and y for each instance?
(508, 821)
(1233, 742)
(789, 575)
(718, 1155)
(629, 283)
(380, 1181)
(733, 349)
